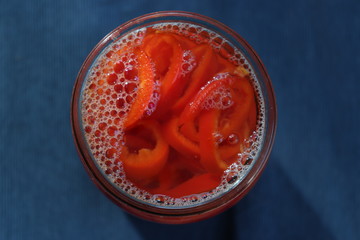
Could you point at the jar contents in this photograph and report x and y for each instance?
(172, 114)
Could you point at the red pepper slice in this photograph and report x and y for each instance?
(230, 149)
(234, 114)
(145, 89)
(171, 83)
(137, 142)
(197, 184)
(224, 65)
(209, 154)
(184, 42)
(190, 130)
(177, 140)
(196, 105)
(167, 178)
(177, 170)
(243, 97)
(159, 47)
(224, 122)
(168, 55)
(208, 124)
(146, 163)
(206, 68)
(174, 81)
(228, 153)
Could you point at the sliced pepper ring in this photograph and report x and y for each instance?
(210, 157)
(243, 96)
(213, 125)
(145, 89)
(206, 68)
(192, 110)
(177, 140)
(197, 184)
(146, 163)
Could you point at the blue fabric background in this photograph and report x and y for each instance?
(311, 186)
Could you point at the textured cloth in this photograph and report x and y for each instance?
(311, 186)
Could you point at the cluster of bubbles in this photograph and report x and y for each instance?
(108, 93)
(109, 90)
(220, 98)
(188, 63)
(151, 107)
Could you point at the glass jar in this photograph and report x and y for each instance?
(194, 210)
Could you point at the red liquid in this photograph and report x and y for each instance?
(167, 113)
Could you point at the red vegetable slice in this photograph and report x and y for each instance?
(159, 47)
(146, 163)
(243, 96)
(206, 68)
(184, 42)
(209, 154)
(177, 140)
(197, 184)
(177, 170)
(196, 105)
(145, 89)
(190, 130)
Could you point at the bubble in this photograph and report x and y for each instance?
(116, 169)
(110, 153)
(226, 101)
(129, 99)
(111, 79)
(130, 87)
(91, 120)
(160, 199)
(87, 129)
(121, 114)
(232, 139)
(113, 142)
(219, 99)
(100, 91)
(92, 86)
(119, 67)
(93, 106)
(231, 177)
(103, 101)
(100, 82)
(247, 160)
(117, 121)
(120, 103)
(131, 74)
(219, 138)
(102, 126)
(118, 88)
(112, 130)
(109, 54)
(113, 113)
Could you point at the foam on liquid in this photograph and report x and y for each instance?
(107, 96)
